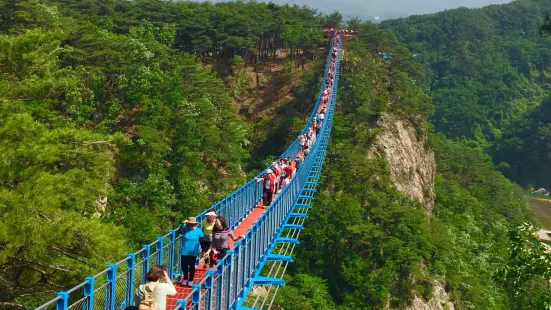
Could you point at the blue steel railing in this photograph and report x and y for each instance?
(236, 272)
(230, 284)
(288, 234)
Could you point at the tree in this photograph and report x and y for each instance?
(526, 275)
(332, 20)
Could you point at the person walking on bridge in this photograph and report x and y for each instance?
(220, 245)
(298, 162)
(268, 187)
(191, 240)
(207, 226)
(153, 294)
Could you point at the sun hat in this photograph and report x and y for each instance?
(210, 213)
(191, 220)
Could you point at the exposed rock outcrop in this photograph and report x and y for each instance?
(411, 161)
(439, 301)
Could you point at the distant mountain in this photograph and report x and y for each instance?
(488, 69)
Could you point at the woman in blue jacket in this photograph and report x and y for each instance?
(191, 240)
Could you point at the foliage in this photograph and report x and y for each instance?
(304, 292)
(112, 129)
(486, 67)
(527, 273)
(377, 248)
(115, 123)
(488, 74)
(239, 80)
(272, 134)
(522, 153)
(475, 206)
(51, 182)
(364, 237)
(385, 87)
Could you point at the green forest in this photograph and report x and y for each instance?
(372, 247)
(488, 75)
(116, 122)
(118, 119)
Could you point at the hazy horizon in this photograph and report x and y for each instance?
(389, 8)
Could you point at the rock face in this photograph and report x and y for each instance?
(411, 161)
(412, 168)
(439, 301)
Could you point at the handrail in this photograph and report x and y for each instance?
(238, 267)
(277, 269)
(48, 303)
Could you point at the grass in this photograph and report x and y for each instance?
(541, 206)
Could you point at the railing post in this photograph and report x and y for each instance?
(63, 302)
(112, 279)
(237, 267)
(196, 294)
(250, 249)
(241, 206)
(159, 247)
(89, 292)
(172, 242)
(242, 274)
(182, 303)
(248, 190)
(145, 256)
(256, 240)
(232, 208)
(131, 267)
(228, 279)
(208, 286)
(219, 284)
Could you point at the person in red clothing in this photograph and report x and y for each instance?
(288, 170)
(268, 187)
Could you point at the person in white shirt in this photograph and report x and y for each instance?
(155, 287)
(312, 139)
(302, 141)
(284, 183)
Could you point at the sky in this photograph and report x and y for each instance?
(388, 8)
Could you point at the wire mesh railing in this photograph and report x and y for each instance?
(122, 298)
(79, 304)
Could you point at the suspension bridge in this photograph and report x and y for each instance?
(251, 273)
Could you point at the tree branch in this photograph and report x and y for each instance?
(33, 264)
(63, 251)
(11, 304)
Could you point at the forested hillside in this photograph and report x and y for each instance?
(488, 72)
(371, 247)
(116, 121)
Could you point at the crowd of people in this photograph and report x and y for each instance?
(345, 32)
(210, 240)
(279, 175)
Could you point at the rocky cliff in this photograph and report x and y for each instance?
(411, 161)
(412, 166)
(439, 301)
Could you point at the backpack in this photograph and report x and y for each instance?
(148, 302)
